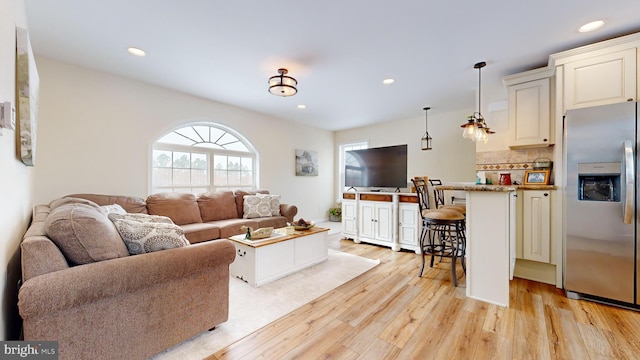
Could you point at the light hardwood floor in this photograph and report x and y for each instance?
(391, 313)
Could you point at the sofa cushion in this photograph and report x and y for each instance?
(71, 200)
(218, 205)
(84, 234)
(239, 194)
(182, 208)
(131, 204)
(256, 206)
(200, 232)
(143, 237)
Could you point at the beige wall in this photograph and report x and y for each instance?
(451, 159)
(15, 178)
(96, 132)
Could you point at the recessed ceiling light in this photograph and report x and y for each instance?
(388, 81)
(594, 25)
(136, 51)
(302, 106)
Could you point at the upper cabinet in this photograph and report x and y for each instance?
(600, 79)
(529, 109)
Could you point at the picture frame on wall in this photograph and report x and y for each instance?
(27, 89)
(536, 177)
(306, 163)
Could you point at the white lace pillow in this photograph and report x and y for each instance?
(113, 209)
(274, 203)
(256, 206)
(145, 237)
(139, 217)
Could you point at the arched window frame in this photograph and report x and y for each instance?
(196, 177)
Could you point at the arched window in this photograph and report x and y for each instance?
(203, 157)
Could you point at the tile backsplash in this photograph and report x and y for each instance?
(515, 162)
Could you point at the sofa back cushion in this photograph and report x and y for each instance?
(239, 194)
(218, 205)
(182, 208)
(131, 204)
(84, 234)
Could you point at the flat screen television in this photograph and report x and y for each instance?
(382, 167)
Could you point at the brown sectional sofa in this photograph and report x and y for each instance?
(208, 216)
(133, 306)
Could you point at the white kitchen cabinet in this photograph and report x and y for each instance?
(600, 78)
(349, 216)
(409, 226)
(536, 225)
(530, 114)
(375, 219)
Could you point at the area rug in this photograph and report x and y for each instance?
(252, 308)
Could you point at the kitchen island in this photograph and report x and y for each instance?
(491, 237)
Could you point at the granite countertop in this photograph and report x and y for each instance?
(497, 188)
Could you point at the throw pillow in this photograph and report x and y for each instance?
(146, 237)
(275, 205)
(256, 206)
(84, 234)
(113, 209)
(239, 195)
(218, 205)
(141, 218)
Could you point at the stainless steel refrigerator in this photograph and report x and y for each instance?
(601, 255)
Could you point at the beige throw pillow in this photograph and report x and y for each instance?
(256, 206)
(149, 236)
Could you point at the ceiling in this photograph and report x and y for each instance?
(339, 51)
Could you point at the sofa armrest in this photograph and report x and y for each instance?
(288, 211)
(89, 283)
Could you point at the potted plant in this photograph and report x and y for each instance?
(335, 214)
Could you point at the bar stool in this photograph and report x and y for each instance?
(447, 225)
(438, 197)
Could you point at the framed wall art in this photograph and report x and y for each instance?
(27, 87)
(536, 177)
(306, 163)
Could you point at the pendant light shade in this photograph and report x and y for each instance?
(426, 138)
(476, 128)
(283, 85)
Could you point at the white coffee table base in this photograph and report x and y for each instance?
(260, 262)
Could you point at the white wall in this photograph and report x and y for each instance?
(15, 179)
(451, 159)
(96, 130)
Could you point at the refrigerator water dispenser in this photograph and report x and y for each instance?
(599, 181)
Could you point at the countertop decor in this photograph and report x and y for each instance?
(498, 188)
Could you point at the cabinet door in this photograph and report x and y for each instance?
(409, 226)
(383, 222)
(366, 217)
(349, 218)
(536, 225)
(600, 80)
(530, 114)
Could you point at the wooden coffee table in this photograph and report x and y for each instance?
(261, 261)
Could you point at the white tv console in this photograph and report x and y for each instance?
(382, 218)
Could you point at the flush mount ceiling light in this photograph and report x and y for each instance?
(594, 25)
(388, 81)
(135, 51)
(426, 138)
(476, 128)
(282, 85)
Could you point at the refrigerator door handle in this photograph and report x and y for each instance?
(629, 181)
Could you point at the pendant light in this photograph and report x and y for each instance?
(426, 138)
(476, 128)
(283, 85)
